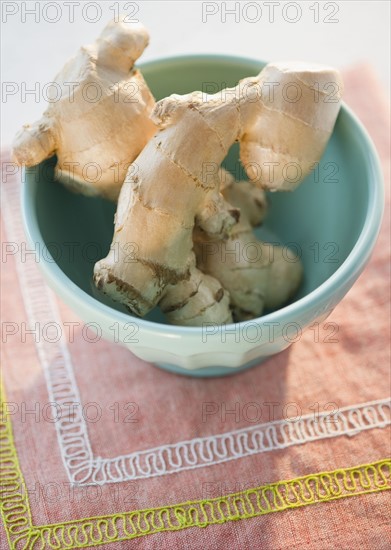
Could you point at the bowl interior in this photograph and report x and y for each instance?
(321, 220)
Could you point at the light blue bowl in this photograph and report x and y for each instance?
(332, 220)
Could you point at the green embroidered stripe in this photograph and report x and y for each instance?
(94, 531)
(15, 508)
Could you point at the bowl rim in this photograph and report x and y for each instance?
(347, 272)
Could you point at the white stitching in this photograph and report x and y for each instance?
(84, 469)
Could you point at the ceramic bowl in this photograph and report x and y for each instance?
(331, 220)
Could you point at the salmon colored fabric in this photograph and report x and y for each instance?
(143, 407)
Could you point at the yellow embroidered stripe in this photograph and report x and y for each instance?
(94, 531)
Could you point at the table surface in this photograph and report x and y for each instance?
(293, 453)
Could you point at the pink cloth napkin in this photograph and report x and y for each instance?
(128, 406)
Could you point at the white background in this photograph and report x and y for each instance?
(34, 47)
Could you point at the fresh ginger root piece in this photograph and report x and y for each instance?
(295, 109)
(256, 274)
(101, 122)
(167, 191)
(197, 300)
(285, 276)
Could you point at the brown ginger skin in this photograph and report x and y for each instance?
(196, 300)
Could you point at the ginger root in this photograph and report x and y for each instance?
(292, 118)
(255, 274)
(164, 195)
(101, 122)
(112, 139)
(196, 300)
(169, 191)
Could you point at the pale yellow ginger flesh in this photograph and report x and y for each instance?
(256, 274)
(101, 122)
